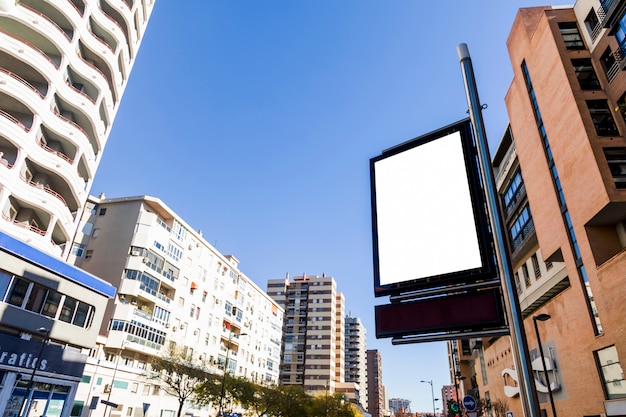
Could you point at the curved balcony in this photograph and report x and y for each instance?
(50, 45)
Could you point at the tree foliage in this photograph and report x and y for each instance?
(178, 377)
(275, 401)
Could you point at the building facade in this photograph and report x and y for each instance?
(176, 293)
(356, 358)
(64, 65)
(313, 331)
(375, 388)
(561, 174)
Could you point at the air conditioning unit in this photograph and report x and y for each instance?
(174, 328)
(182, 326)
(144, 260)
(195, 332)
(167, 325)
(107, 388)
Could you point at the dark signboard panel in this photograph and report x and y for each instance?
(429, 223)
(472, 311)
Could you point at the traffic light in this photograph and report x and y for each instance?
(453, 406)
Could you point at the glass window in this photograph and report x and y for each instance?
(51, 305)
(592, 23)
(571, 35)
(611, 373)
(616, 158)
(36, 298)
(5, 281)
(521, 227)
(602, 118)
(513, 191)
(587, 78)
(18, 291)
(609, 64)
(67, 312)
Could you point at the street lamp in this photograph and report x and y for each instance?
(223, 393)
(117, 363)
(457, 380)
(31, 384)
(544, 317)
(432, 392)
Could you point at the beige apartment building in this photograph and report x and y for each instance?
(561, 172)
(313, 331)
(64, 66)
(175, 291)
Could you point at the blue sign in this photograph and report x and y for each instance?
(509, 414)
(469, 403)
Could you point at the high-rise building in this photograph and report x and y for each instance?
(400, 405)
(176, 294)
(313, 331)
(64, 65)
(375, 388)
(561, 172)
(356, 359)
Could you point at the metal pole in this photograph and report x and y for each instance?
(543, 317)
(528, 395)
(117, 363)
(432, 393)
(30, 391)
(223, 393)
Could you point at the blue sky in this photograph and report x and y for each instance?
(255, 121)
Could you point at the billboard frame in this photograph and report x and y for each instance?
(487, 269)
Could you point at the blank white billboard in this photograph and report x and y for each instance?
(424, 220)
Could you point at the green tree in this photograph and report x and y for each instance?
(178, 377)
(293, 401)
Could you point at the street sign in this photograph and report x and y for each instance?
(469, 403)
(109, 403)
(509, 414)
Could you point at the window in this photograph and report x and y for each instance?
(536, 268)
(602, 118)
(587, 78)
(616, 158)
(611, 373)
(513, 191)
(102, 212)
(89, 254)
(609, 64)
(521, 227)
(571, 36)
(592, 24)
(78, 250)
(527, 280)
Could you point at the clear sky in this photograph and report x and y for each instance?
(255, 122)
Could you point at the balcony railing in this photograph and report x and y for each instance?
(44, 187)
(57, 153)
(23, 81)
(25, 224)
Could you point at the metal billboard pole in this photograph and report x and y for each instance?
(528, 394)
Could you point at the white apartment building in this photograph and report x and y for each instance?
(356, 359)
(175, 290)
(64, 65)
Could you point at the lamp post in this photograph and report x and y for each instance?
(223, 392)
(544, 317)
(117, 363)
(432, 392)
(31, 384)
(457, 380)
